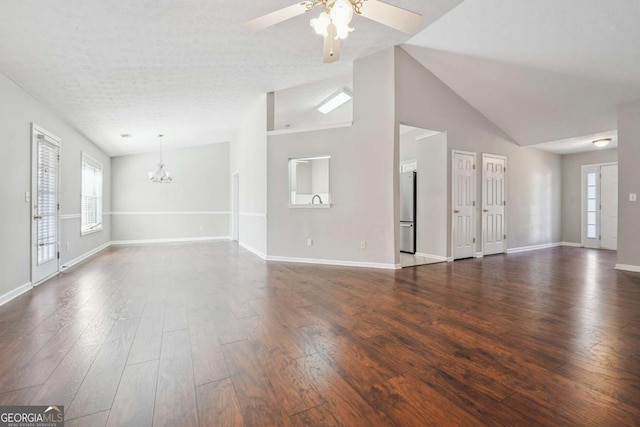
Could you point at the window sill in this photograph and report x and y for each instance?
(309, 206)
(86, 233)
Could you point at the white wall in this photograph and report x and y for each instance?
(629, 182)
(17, 111)
(363, 164)
(571, 191)
(431, 224)
(194, 205)
(248, 156)
(534, 177)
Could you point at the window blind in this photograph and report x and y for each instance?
(47, 207)
(91, 208)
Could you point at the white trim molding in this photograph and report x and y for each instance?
(171, 240)
(70, 216)
(255, 214)
(173, 213)
(627, 267)
(335, 262)
(533, 248)
(253, 250)
(436, 257)
(479, 255)
(309, 129)
(571, 244)
(15, 293)
(84, 256)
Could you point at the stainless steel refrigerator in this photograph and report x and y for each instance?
(408, 212)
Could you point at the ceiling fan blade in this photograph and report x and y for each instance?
(391, 16)
(331, 48)
(276, 17)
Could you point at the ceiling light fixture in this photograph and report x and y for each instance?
(161, 176)
(334, 101)
(125, 135)
(602, 142)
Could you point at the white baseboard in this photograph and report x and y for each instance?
(533, 248)
(82, 257)
(627, 267)
(479, 255)
(15, 293)
(437, 257)
(571, 244)
(335, 262)
(253, 251)
(176, 240)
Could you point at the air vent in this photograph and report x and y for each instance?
(125, 135)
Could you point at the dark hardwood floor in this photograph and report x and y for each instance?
(207, 334)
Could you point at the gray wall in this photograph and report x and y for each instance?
(534, 177)
(194, 205)
(363, 164)
(431, 227)
(17, 111)
(629, 182)
(248, 156)
(571, 191)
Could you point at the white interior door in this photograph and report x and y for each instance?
(235, 207)
(591, 206)
(463, 202)
(609, 203)
(493, 204)
(45, 187)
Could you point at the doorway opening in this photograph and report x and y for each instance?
(423, 196)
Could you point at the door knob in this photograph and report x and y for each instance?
(485, 210)
(37, 217)
(456, 211)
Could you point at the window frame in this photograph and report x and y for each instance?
(97, 227)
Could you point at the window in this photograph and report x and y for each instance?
(91, 203)
(591, 206)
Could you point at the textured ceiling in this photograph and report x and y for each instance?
(183, 68)
(542, 70)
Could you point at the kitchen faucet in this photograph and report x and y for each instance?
(313, 199)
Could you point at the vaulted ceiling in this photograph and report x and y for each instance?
(542, 70)
(183, 68)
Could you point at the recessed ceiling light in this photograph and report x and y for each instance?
(125, 135)
(334, 101)
(602, 142)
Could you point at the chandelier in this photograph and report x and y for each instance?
(339, 13)
(161, 176)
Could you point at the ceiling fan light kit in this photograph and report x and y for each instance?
(333, 23)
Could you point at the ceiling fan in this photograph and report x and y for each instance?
(333, 22)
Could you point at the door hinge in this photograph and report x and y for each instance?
(505, 237)
(505, 170)
(474, 167)
(504, 203)
(474, 240)
(600, 237)
(474, 203)
(58, 255)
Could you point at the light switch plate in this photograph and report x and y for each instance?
(27, 197)
(633, 197)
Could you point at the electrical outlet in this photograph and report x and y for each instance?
(633, 197)
(67, 246)
(363, 245)
(309, 242)
(27, 197)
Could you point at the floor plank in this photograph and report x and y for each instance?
(208, 334)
